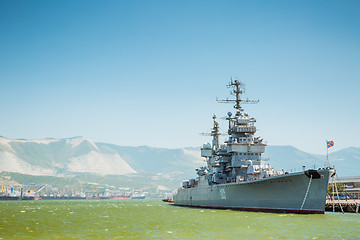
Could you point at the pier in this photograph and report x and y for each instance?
(350, 205)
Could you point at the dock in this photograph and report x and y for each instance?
(350, 205)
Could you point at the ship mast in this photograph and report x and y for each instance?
(238, 88)
(215, 133)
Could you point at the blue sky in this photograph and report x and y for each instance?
(149, 72)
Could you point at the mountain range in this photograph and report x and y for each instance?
(160, 168)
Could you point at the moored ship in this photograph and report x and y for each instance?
(237, 177)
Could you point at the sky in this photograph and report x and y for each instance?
(137, 73)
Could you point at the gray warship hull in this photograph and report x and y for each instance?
(299, 192)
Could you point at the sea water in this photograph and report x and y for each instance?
(154, 219)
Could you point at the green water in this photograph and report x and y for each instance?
(153, 219)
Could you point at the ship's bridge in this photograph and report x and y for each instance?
(243, 129)
(243, 121)
(245, 148)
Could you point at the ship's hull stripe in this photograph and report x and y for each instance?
(304, 211)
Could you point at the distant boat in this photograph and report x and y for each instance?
(136, 196)
(9, 197)
(169, 200)
(4, 197)
(13, 194)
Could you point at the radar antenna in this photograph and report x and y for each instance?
(238, 88)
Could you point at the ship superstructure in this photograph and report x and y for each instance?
(236, 176)
(239, 159)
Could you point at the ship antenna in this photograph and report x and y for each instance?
(238, 88)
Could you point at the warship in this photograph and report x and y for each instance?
(236, 176)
